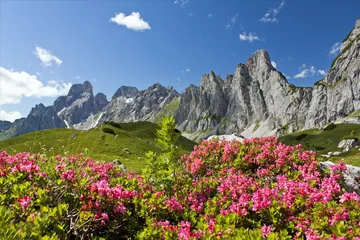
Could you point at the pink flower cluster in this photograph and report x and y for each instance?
(24, 202)
(219, 190)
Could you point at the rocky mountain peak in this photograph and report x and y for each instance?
(242, 70)
(144, 105)
(355, 32)
(87, 87)
(4, 125)
(260, 61)
(211, 81)
(126, 92)
(75, 90)
(100, 101)
(37, 110)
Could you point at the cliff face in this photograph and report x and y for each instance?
(39, 118)
(256, 92)
(257, 95)
(338, 94)
(135, 105)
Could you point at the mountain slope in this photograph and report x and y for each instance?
(128, 142)
(257, 100)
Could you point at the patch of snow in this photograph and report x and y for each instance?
(67, 124)
(91, 122)
(97, 121)
(61, 111)
(129, 100)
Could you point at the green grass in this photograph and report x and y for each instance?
(138, 137)
(257, 125)
(293, 88)
(354, 114)
(327, 141)
(168, 110)
(320, 83)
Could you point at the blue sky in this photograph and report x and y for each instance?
(47, 45)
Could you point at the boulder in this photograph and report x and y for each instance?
(351, 176)
(348, 144)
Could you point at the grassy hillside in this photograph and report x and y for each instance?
(105, 142)
(324, 141)
(168, 110)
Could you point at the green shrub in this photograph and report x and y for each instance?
(301, 136)
(319, 148)
(257, 125)
(329, 127)
(108, 130)
(114, 124)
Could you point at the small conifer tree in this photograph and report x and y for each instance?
(160, 171)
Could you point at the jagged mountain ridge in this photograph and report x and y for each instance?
(256, 100)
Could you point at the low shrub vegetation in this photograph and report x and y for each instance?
(257, 189)
(329, 127)
(108, 130)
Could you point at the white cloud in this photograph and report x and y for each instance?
(303, 74)
(287, 76)
(178, 79)
(191, 14)
(232, 22)
(9, 116)
(46, 57)
(187, 70)
(312, 70)
(335, 49)
(321, 72)
(273, 64)
(133, 21)
(251, 37)
(270, 15)
(210, 15)
(305, 71)
(182, 3)
(16, 85)
(77, 77)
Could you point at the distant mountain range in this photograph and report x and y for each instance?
(257, 100)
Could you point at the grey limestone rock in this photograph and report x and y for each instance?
(142, 107)
(348, 144)
(126, 92)
(351, 176)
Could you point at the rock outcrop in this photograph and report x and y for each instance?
(257, 96)
(100, 101)
(348, 144)
(141, 107)
(351, 176)
(126, 92)
(39, 118)
(79, 104)
(256, 92)
(338, 94)
(5, 125)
